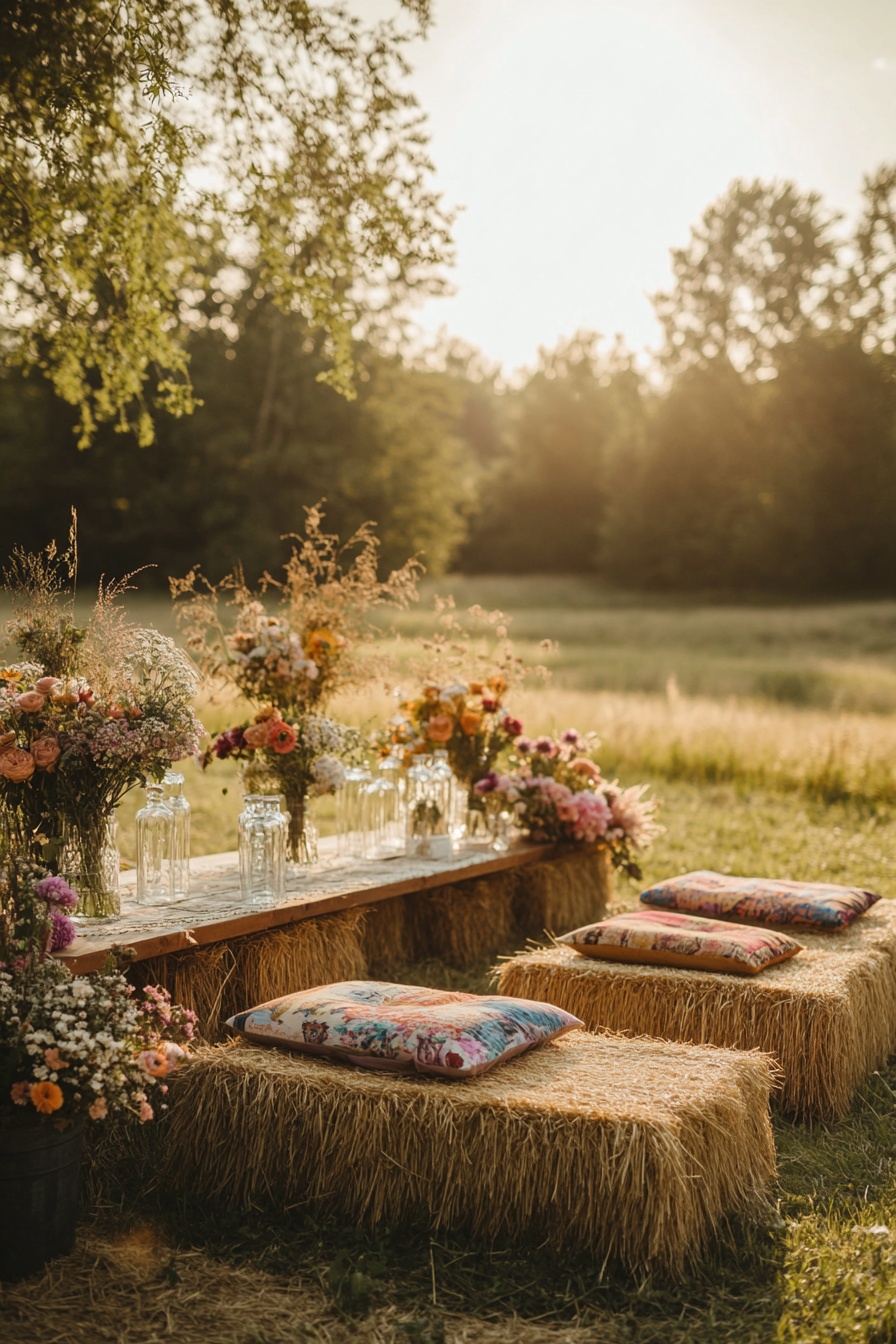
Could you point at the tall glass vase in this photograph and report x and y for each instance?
(90, 863)
(301, 836)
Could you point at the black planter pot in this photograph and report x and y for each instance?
(40, 1173)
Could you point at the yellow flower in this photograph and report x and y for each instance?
(46, 1097)
(10, 674)
(321, 645)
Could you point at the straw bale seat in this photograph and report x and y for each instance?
(829, 1015)
(635, 1150)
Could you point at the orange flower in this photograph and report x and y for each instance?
(582, 766)
(469, 722)
(321, 645)
(153, 1062)
(439, 728)
(476, 688)
(432, 692)
(45, 1097)
(281, 737)
(257, 735)
(497, 685)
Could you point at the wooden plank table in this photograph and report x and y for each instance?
(215, 911)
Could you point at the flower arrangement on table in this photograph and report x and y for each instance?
(302, 760)
(287, 647)
(69, 1045)
(555, 792)
(88, 712)
(463, 714)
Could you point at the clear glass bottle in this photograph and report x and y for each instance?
(262, 849)
(155, 847)
(444, 787)
(427, 834)
(349, 819)
(381, 813)
(173, 783)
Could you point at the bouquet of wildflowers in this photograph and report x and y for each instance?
(556, 793)
(86, 714)
(287, 648)
(74, 1045)
(301, 760)
(466, 719)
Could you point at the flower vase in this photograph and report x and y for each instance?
(90, 863)
(301, 836)
(40, 1167)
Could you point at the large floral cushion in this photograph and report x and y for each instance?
(664, 938)
(765, 900)
(404, 1028)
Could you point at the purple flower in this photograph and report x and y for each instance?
(524, 745)
(571, 737)
(546, 746)
(62, 933)
(230, 741)
(487, 784)
(56, 891)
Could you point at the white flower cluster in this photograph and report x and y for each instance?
(321, 735)
(329, 774)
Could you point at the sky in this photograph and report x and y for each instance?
(583, 138)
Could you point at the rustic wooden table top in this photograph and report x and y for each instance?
(215, 910)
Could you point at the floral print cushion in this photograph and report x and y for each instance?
(404, 1028)
(765, 900)
(664, 938)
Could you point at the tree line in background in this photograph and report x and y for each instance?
(757, 455)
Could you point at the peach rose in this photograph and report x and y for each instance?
(16, 764)
(439, 728)
(47, 685)
(45, 751)
(469, 722)
(6, 739)
(583, 766)
(256, 735)
(31, 701)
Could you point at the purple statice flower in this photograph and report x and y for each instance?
(571, 737)
(524, 745)
(546, 746)
(63, 931)
(487, 784)
(56, 891)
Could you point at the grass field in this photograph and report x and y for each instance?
(770, 738)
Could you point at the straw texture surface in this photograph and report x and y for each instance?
(225, 978)
(829, 1015)
(635, 1150)
(469, 921)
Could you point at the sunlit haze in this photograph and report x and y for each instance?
(583, 138)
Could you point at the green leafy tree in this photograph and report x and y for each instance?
(154, 153)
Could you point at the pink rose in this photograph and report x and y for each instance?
(19, 1093)
(47, 685)
(31, 701)
(145, 1112)
(6, 740)
(257, 735)
(99, 1110)
(582, 766)
(45, 751)
(16, 765)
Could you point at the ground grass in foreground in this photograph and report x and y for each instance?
(823, 1271)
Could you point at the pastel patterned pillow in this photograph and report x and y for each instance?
(404, 1028)
(663, 938)
(765, 900)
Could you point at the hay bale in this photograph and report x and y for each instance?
(634, 1150)
(223, 978)
(563, 893)
(829, 1015)
(386, 936)
(464, 922)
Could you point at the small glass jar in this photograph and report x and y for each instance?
(427, 823)
(173, 783)
(349, 819)
(262, 849)
(381, 813)
(155, 848)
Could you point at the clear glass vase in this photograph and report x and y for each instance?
(90, 863)
(155, 849)
(173, 783)
(262, 850)
(301, 835)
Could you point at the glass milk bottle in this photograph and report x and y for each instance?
(180, 852)
(262, 849)
(349, 820)
(155, 847)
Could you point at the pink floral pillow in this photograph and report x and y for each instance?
(404, 1028)
(661, 938)
(765, 900)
